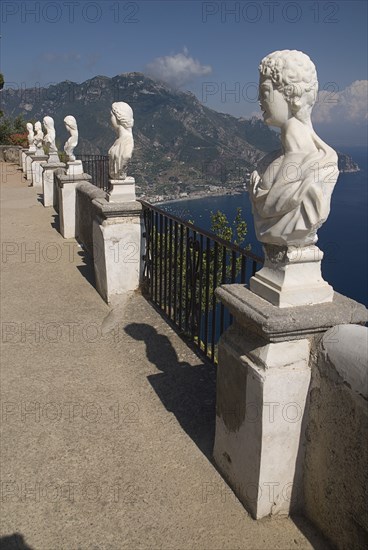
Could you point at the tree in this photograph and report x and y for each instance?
(12, 132)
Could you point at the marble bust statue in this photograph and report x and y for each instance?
(291, 191)
(121, 151)
(50, 136)
(30, 137)
(72, 142)
(38, 139)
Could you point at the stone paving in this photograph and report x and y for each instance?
(107, 415)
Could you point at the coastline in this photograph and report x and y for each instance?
(199, 196)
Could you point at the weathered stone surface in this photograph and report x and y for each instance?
(67, 202)
(64, 179)
(86, 211)
(346, 347)
(9, 153)
(263, 374)
(37, 164)
(117, 247)
(109, 210)
(48, 184)
(275, 324)
(262, 390)
(335, 471)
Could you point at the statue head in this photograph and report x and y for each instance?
(29, 127)
(288, 87)
(38, 126)
(122, 115)
(48, 123)
(70, 123)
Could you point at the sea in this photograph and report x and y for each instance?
(343, 238)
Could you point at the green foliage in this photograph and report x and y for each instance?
(12, 130)
(234, 232)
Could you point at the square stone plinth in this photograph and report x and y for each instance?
(263, 385)
(276, 324)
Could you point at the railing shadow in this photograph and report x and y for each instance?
(188, 391)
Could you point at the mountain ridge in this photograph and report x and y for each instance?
(180, 144)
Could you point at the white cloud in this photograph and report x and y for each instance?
(178, 69)
(348, 105)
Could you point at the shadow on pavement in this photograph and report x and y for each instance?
(13, 542)
(189, 392)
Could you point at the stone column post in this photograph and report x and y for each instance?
(37, 164)
(66, 200)
(263, 382)
(28, 164)
(48, 186)
(22, 158)
(117, 247)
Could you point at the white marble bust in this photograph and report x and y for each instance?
(121, 151)
(291, 191)
(38, 139)
(72, 142)
(50, 136)
(30, 137)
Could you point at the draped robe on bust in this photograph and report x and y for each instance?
(298, 201)
(120, 154)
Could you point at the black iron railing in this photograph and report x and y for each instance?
(183, 266)
(96, 166)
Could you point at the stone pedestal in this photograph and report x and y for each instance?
(22, 158)
(262, 395)
(74, 168)
(121, 190)
(53, 157)
(30, 155)
(37, 163)
(117, 247)
(292, 277)
(66, 190)
(48, 185)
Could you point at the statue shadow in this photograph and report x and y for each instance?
(87, 269)
(187, 391)
(55, 222)
(40, 198)
(14, 542)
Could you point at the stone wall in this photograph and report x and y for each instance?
(9, 153)
(86, 212)
(336, 473)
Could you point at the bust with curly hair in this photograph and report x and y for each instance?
(121, 151)
(291, 190)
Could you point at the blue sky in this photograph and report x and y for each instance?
(210, 48)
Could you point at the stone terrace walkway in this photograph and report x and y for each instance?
(107, 416)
